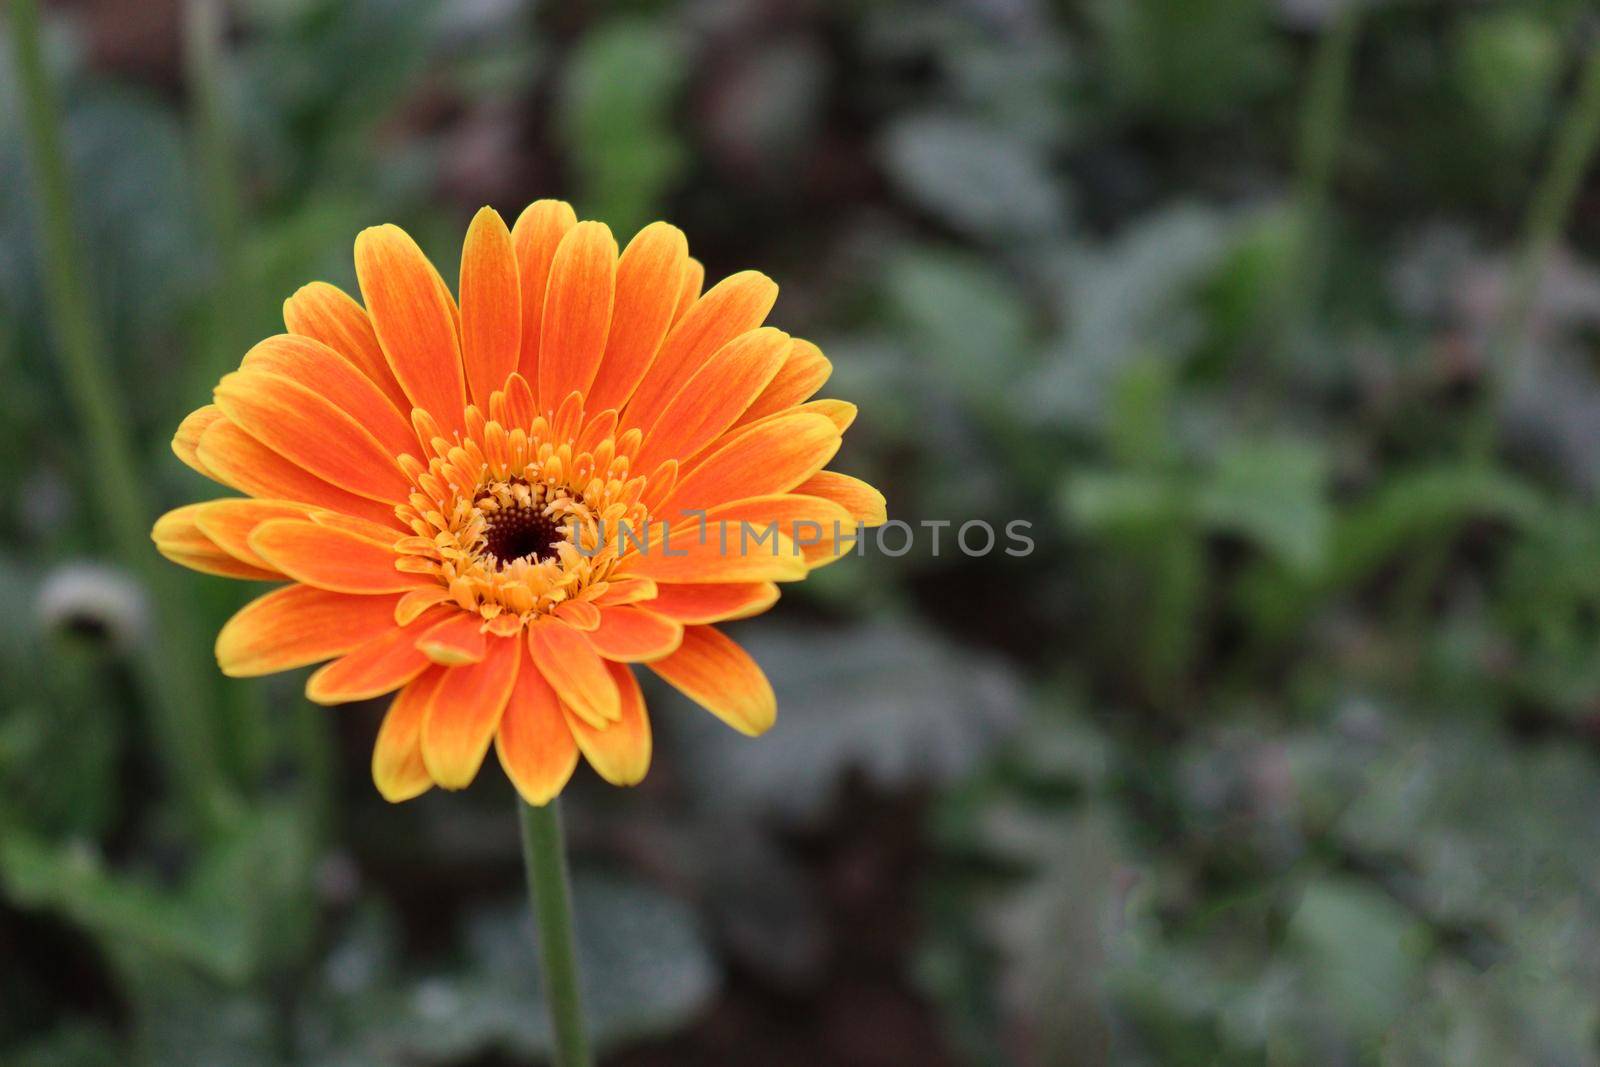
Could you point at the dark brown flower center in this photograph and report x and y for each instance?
(521, 533)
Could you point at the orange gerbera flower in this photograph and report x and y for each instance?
(447, 487)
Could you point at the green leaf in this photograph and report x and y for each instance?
(1411, 505)
(181, 1016)
(1274, 493)
(980, 178)
(73, 881)
(1056, 933)
(1550, 607)
(1362, 950)
(61, 737)
(244, 906)
(72, 1044)
(1106, 502)
(1135, 299)
(897, 703)
(135, 214)
(644, 967)
(1469, 1019)
(964, 321)
(615, 117)
(1505, 64)
(1187, 60)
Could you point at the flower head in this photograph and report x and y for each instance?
(495, 508)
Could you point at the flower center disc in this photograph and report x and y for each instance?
(521, 533)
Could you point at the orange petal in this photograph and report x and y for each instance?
(634, 635)
(772, 456)
(700, 603)
(332, 558)
(307, 429)
(577, 312)
(372, 531)
(574, 670)
(520, 405)
(239, 460)
(535, 745)
(417, 601)
(297, 625)
(801, 375)
(179, 529)
(449, 301)
(325, 372)
(535, 237)
(219, 563)
(186, 442)
(649, 283)
(619, 753)
(714, 395)
(464, 713)
(579, 613)
(597, 428)
(689, 289)
(691, 551)
(841, 413)
(230, 523)
(379, 665)
(821, 530)
(178, 537)
(864, 503)
(491, 306)
(326, 313)
(397, 767)
(626, 591)
(659, 485)
(736, 305)
(503, 625)
(568, 417)
(414, 322)
(457, 641)
(717, 674)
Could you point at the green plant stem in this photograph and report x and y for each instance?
(1321, 129)
(544, 853)
(212, 123)
(167, 672)
(1548, 208)
(1327, 100)
(251, 732)
(206, 78)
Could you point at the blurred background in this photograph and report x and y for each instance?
(1278, 320)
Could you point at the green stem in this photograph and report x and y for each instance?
(167, 675)
(211, 120)
(1321, 129)
(545, 855)
(1548, 209)
(205, 74)
(1322, 124)
(219, 337)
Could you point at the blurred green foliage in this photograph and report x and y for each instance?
(1281, 747)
